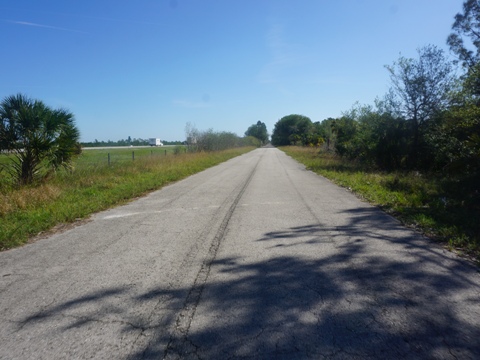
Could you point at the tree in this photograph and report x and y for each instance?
(291, 125)
(191, 136)
(378, 138)
(324, 134)
(457, 139)
(345, 130)
(420, 90)
(37, 138)
(466, 25)
(259, 131)
(250, 141)
(210, 140)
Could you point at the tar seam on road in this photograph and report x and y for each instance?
(178, 338)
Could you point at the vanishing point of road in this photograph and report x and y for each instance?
(256, 258)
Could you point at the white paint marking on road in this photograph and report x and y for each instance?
(109, 217)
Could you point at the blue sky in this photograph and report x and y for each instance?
(146, 68)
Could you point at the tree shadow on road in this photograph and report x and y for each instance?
(344, 294)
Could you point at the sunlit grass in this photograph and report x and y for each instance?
(92, 186)
(418, 200)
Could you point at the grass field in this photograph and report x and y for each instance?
(419, 201)
(93, 185)
(127, 154)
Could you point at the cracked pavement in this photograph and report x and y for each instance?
(254, 258)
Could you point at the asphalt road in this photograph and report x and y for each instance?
(254, 258)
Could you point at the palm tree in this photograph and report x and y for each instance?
(37, 138)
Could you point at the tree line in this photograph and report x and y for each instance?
(429, 120)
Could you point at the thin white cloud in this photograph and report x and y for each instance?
(26, 23)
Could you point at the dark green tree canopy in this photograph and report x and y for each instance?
(291, 129)
(35, 137)
(466, 30)
(466, 26)
(259, 131)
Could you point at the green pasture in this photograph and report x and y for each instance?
(100, 156)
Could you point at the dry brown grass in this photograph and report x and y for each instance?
(28, 197)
